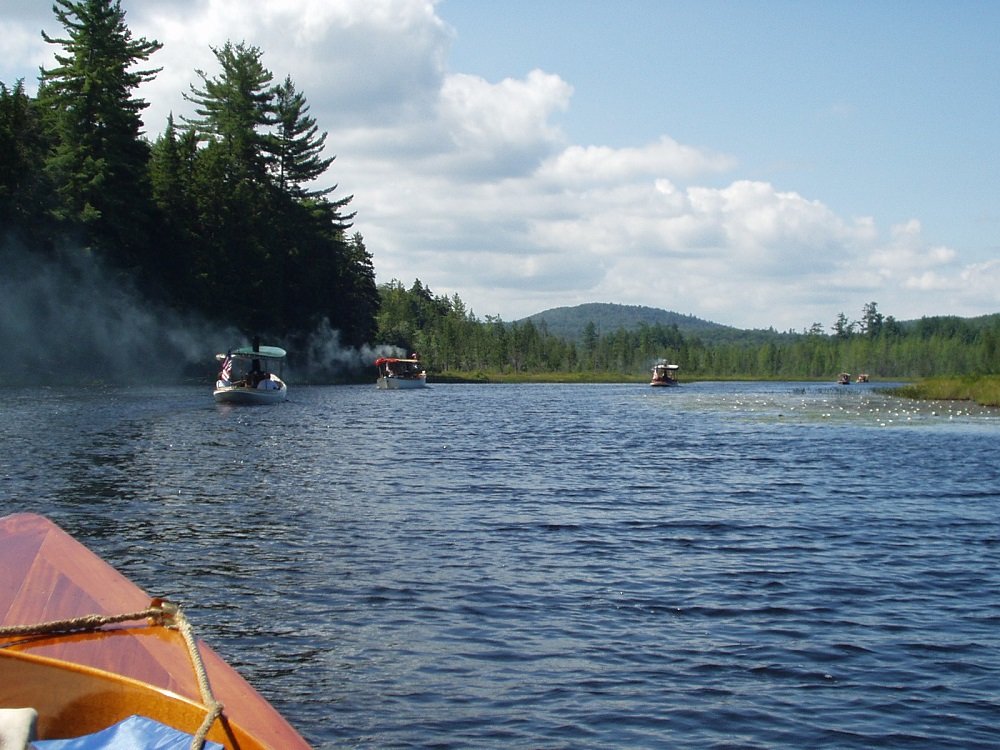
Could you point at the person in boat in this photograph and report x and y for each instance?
(257, 375)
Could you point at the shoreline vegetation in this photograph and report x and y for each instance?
(494, 377)
(621, 348)
(983, 390)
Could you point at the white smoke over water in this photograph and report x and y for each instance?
(67, 319)
(327, 361)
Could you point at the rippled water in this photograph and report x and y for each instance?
(718, 565)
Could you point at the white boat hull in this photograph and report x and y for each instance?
(238, 394)
(398, 384)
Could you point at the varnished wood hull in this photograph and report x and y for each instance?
(84, 682)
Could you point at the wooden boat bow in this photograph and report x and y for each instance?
(99, 671)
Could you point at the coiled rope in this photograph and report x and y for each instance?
(159, 612)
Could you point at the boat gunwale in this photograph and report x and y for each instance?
(119, 695)
(47, 575)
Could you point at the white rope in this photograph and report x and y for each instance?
(160, 612)
(178, 620)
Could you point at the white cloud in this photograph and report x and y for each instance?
(512, 111)
(663, 158)
(907, 251)
(359, 62)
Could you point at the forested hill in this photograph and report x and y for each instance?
(571, 323)
(625, 341)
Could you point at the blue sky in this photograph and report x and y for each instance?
(865, 105)
(757, 164)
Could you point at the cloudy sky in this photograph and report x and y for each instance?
(752, 163)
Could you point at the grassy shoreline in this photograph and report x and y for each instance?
(481, 376)
(982, 389)
(579, 377)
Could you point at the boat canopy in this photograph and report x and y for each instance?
(248, 352)
(386, 360)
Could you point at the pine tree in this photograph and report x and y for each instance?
(364, 296)
(298, 144)
(235, 110)
(99, 162)
(871, 320)
(23, 189)
(236, 206)
(181, 270)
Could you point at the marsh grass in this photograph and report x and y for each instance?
(982, 389)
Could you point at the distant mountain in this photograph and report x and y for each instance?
(571, 322)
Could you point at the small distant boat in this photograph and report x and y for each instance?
(862, 378)
(247, 376)
(664, 373)
(83, 651)
(844, 378)
(396, 374)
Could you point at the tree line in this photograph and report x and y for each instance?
(219, 215)
(452, 339)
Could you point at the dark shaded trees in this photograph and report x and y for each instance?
(225, 214)
(269, 243)
(842, 328)
(24, 190)
(97, 164)
(359, 301)
(179, 267)
(231, 190)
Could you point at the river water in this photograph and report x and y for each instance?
(717, 565)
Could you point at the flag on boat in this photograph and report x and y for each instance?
(227, 368)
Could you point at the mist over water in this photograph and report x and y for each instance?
(68, 319)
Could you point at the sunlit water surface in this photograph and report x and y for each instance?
(718, 565)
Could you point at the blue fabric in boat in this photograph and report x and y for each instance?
(133, 733)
